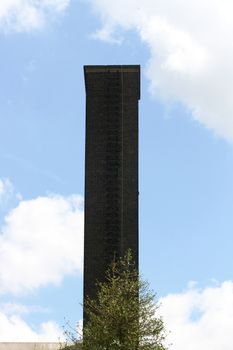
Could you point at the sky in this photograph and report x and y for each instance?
(185, 51)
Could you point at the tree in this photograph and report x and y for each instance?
(124, 314)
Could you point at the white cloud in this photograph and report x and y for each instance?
(15, 329)
(6, 190)
(27, 15)
(191, 52)
(11, 309)
(41, 242)
(106, 34)
(200, 319)
(8, 194)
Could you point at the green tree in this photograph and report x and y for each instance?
(124, 314)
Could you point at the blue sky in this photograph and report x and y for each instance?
(186, 159)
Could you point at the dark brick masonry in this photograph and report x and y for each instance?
(111, 170)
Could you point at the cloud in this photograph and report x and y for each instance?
(41, 242)
(10, 309)
(200, 319)
(27, 15)
(191, 52)
(14, 329)
(6, 190)
(8, 194)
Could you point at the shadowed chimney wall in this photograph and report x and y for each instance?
(111, 168)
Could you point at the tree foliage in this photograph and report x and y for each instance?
(124, 314)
